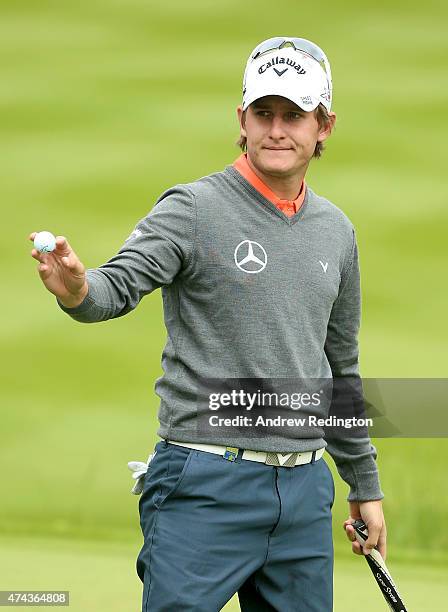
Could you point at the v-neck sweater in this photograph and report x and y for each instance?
(248, 293)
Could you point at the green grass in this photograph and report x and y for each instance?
(103, 107)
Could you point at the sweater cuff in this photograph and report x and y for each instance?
(363, 479)
(96, 305)
(82, 308)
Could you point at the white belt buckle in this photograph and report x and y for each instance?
(281, 459)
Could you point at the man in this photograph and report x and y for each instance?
(260, 282)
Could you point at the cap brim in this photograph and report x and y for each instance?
(306, 102)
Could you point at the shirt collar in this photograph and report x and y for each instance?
(242, 165)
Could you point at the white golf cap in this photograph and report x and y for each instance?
(293, 68)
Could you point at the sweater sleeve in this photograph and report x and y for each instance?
(355, 457)
(159, 248)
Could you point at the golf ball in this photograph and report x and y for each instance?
(45, 242)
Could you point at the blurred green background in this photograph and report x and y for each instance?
(104, 105)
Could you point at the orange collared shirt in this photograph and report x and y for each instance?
(289, 207)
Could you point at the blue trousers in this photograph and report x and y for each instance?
(214, 527)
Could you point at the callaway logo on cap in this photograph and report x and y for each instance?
(294, 68)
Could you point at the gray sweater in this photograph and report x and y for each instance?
(292, 310)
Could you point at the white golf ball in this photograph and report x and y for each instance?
(45, 242)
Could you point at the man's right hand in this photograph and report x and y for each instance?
(62, 273)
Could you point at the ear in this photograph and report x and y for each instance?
(241, 120)
(326, 130)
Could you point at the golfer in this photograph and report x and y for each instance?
(260, 283)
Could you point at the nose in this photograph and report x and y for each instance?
(277, 128)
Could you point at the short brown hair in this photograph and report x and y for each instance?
(323, 119)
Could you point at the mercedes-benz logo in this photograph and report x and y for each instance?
(250, 257)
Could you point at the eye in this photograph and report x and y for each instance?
(263, 113)
(295, 115)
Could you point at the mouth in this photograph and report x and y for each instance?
(278, 148)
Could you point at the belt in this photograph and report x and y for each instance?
(269, 458)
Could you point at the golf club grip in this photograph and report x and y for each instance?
(380, 571)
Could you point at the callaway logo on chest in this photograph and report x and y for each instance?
(281, 60)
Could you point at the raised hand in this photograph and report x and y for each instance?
(62, 272)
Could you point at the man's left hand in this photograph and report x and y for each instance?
(371, 512)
